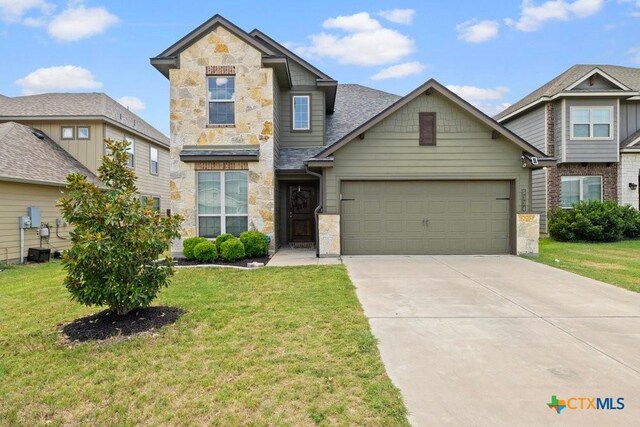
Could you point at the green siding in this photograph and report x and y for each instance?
(464, 150)
(300, 76)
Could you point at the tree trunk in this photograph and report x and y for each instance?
(121, 311)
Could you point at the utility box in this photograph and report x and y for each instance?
(34, 213)
(24, 222)
(39, 255)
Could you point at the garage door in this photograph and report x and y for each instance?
(425, 217)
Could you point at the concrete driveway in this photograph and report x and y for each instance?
(487, 340)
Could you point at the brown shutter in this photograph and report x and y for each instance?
(427, 128)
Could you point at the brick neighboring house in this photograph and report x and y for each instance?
(588, 118)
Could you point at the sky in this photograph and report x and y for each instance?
(491, 52)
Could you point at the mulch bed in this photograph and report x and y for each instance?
(241, 263)
(107, 324)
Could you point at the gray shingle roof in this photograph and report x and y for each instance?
(628, 76)
(630, 139)
(292, 159)
(77, 104)
(25, 157)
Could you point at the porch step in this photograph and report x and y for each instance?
(302, 245)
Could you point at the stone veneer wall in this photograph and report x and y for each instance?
(629, 170)
(222, 52)
(609, 173)
(329, 230)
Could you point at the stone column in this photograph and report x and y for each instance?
(528, 234)
(329, 239)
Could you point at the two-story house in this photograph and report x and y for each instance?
(588, 118)
(77, 124)
(261, 139)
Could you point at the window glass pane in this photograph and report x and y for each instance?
(570, 191)
(156, 204)
(209, 193)
(221, 113)
(601, 131)
(209, 226)
(301, 112)
(154, 154)
(67, 133)
(236, 224)
(601, 116)
(83, 132)
(580, 116)
(222, 88)
(581, 131)
(236, 194)
(592, 188)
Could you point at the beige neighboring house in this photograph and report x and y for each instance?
(77, 124)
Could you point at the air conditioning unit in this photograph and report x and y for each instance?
(39, 255)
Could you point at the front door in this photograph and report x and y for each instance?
(301, 204)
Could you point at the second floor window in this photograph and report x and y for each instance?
(301, 112)
(591, 123)
(153, 160)
(222, 100)
(131, 150)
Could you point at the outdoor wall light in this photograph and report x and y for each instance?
(633, 185)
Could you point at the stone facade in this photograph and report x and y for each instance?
(221, 52)
(608, 171)
(629, 170)
(329, 230)
(528, 234)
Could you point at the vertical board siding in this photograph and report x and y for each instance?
(531, 128)
(557, 130)
(592, 150)
(539, 196)
(629, 119)
(16, 198)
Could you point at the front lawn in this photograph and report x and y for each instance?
(275, 346)
(616, 263)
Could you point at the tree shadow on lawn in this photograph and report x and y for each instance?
(107, 324)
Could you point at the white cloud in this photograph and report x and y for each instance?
(58, 79)
(533, 17)
(399, 71)
(474, 31)
(398, 16)
(366, 43)
(14, 10)
(78, 22)
(635, 7)
(634, 54)
(488, 100)
(132, 103)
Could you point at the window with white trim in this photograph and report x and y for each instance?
(153, 160)
(578, 188)
(591, 122)
(155, 202)
(223, 203)
(131, 151)
(222, 100)
(301, 119)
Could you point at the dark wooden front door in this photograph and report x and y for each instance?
(301, 204)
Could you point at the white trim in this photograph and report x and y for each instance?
(634, 142)
(293, 112)
(223, 214)
(151, 149)
(590, 108)
(132, 152)
(602, 74)
(581, 179)
(563, 131)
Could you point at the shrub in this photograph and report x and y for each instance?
(594, 221)
(189, 244)
(205, 251)
(232, 250)
(223, 238)
(116, 241)
(255, 243)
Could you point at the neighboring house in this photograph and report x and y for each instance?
(73, 125)
(588, 118)
(261, 139)
(80, 122)
(33, 171)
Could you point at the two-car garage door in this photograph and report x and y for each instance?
(425, 217)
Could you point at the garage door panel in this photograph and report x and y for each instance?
(465, 217)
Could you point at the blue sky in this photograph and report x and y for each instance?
(490, 52)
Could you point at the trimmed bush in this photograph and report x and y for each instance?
(232, 250)
(189, 244)
(205, 251)
(255, 243)
(594, 221)
(223, 238)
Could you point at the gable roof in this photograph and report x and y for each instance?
(632, 141)
(84, 105)
(628, 77)
(426, 87)
(28, 155)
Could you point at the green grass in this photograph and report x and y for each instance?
(275, 346)
(616, 263)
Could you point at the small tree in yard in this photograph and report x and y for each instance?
(116, 240)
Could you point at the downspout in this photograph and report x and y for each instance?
(317, 210)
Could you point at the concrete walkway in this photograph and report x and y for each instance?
(488, 340)
(288, 257)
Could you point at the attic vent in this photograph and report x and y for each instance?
(38, 134)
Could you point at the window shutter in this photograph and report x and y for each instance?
(427, 128)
